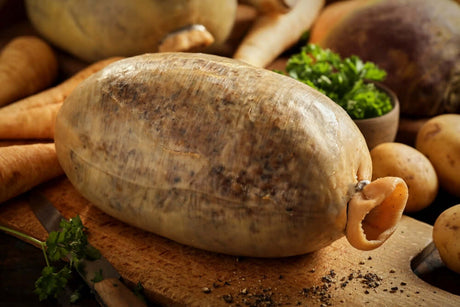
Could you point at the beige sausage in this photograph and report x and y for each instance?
(216, 154)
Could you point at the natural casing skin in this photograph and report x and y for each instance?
(214, 153)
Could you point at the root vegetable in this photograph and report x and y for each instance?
(194, 37)
(25, 166)
(271, 34)
(221, 155)
(34, 123)
(406, 162)
(439, 140)
(27, 65)
(58, 93)
(34, 116)
(94, 30)
(402, 37)
(446, 237)
(271, 6)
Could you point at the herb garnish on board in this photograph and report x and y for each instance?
(71, 241)
(345, 81)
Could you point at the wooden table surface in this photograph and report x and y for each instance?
(175, 274)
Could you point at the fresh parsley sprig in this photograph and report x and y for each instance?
(345, 81)
(71, 241)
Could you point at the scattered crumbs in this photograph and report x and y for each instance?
(371, 280)
(228, 298)
(369, 258)
(361, 262)
(322, 293)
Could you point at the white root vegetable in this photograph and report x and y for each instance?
(187, 39)
(33, 117)
(27, 65)
(271, 6)
(271, 34)
(34, 123)
(25, 166)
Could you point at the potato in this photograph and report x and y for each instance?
(446, 237)
(439, 140)
(406, 162)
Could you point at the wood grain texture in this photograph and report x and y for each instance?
(174, 274)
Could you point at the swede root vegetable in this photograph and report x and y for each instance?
(27, 65)
(402, 37)
(25, 166)
(271, 34)
(34, 116)
(221, 155)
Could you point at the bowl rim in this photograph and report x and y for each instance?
(394, 101)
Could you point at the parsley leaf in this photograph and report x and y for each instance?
(345, 81)
(70, 241)
(51, 283)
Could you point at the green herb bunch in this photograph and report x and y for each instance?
(345, 81)
(71, 242)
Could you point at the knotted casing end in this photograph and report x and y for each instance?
(374, 212)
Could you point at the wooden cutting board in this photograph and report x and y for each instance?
(174, 274)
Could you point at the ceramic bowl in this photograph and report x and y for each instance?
(383, 128)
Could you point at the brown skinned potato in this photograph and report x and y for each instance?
(446, 237)
(439, 140)
(406, 162)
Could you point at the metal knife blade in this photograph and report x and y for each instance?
(110, 291)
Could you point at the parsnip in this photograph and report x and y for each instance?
(58, 93)
(33, 117)
(271, 34)
(27, 65)
(25, 166)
